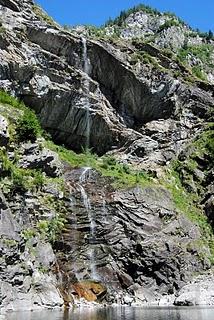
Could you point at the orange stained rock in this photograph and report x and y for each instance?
(89, 290)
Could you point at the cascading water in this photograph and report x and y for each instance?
(86, 69)
(86, 171)
(104, 210)
(87, 204)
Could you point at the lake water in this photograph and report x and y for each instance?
(119, 313)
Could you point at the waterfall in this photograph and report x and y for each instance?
(75, 240)
(86, 83)
(87, 204)
(86, 61)
(104, 210)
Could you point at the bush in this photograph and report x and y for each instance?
(28, 127)
(202, 52)
(125, 13)
(169, 24)
(8, 99)
(51, 229)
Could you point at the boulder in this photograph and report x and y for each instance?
(4, 133)
(90, 290)
(199, 292)
(44, 159)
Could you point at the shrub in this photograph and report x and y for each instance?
(12, 101)
(198, 72)
(2, 30)
(169, 24)
(28, 127)
(51, 229)
(125, 13)
(202, 52)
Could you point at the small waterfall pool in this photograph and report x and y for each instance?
(118, 313)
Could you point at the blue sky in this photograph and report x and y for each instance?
(197, 13)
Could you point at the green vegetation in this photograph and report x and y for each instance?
(174, 17)
(202, 53)
(2, 30)
(121, 175)
(146, 58)
(46, 229)
(6, 98)
(186, 187)
(124, 14)
(185, 203)
(168, 24)
(28, 234)
(27, 127)
(205, 35)
(101, 33)
(14, 178)
(51, 229)
(43, 15)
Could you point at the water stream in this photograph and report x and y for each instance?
(86, 69)
(104, 209)
(87, 204)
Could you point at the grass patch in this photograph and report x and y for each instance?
(6, 98)
(51, 229)
(43, 15)
(186, 203)
(46, 229)
(202, 52)
(179, 178)
(121, 174)
(2, 30)
(18, 179)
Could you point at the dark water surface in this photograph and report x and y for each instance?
(119, 313)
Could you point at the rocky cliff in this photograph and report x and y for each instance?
(132, 226)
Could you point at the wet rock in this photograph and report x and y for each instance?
(90, 290)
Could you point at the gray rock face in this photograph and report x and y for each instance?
(199, 292)
(134, 241)
(12, 5)
(35, 158)
(47, 73)
(127, 238)
(8, 227)
(23, 284)
(4, 134)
